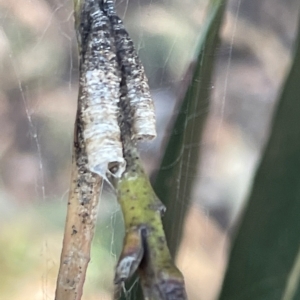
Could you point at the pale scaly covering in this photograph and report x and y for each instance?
(100, 84)
(138, 92)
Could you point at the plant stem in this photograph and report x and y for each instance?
(80, 223)
(145, 248)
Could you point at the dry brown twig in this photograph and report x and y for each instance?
(79, 227)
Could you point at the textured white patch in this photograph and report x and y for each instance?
(138, 92)
(124, 268)
(100, 83)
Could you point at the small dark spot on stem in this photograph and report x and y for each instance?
(74, 231)
(161, 239)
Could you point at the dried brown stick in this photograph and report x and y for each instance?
(80, 223)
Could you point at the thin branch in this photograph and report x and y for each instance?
(145, 248)
(80, 223)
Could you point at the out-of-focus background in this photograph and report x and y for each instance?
(38, 97)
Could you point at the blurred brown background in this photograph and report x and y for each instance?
(38, 90)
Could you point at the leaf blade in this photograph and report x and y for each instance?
(178, 166)
(267, 244)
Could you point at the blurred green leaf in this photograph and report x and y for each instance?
(265, 257)
(179, 166)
